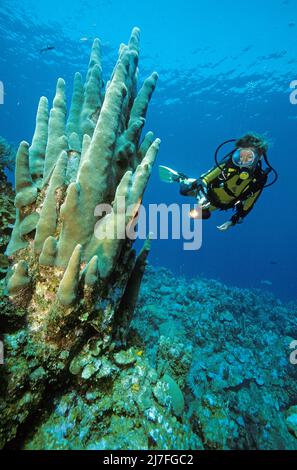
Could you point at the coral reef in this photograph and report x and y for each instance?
(7, 155)
(72, 262)
(88, 363)
(127, 406)
(211, 381)
(7, 209)
(292, 420)
(229, 350)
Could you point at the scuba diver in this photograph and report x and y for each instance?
(236, 182)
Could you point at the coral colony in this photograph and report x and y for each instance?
(69, 285)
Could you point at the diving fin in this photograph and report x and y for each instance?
(167, 175)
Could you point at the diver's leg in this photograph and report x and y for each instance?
(206, 214)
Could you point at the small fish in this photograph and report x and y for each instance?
(273, 262)
(47, 48)
(265, 282)
(84, 39)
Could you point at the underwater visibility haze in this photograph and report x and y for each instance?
(106, 344)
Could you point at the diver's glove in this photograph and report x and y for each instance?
(224, 227)
(231, 223)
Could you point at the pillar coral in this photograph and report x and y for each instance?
(92, 156)
(66, 285)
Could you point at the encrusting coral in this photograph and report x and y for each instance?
(66, 280)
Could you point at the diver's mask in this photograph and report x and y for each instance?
(246, 159)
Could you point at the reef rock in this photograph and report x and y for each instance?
(229, 353)
(292, 420)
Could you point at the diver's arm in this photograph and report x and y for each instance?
(189, 187)
(243, 208)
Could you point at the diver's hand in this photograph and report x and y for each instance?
(225, 226)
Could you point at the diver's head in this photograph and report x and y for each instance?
(253, 141)
(249, 150)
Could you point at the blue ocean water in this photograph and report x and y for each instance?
(225, 68)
